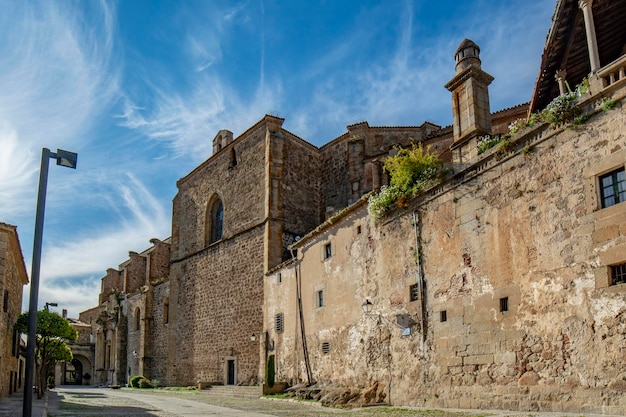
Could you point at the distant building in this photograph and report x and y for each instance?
(13, 277)
(502, 286)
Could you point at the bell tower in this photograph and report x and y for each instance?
(471, 116)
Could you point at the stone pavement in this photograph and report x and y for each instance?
(12, 405)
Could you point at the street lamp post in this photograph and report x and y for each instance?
(66, 159)
(48, 305)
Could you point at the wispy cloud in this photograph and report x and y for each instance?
(70, 266)
(55, 77)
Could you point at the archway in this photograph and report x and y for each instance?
(74, 372)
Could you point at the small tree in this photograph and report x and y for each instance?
(53, 331)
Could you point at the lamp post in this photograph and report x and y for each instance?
(48, 305)
(66, 159)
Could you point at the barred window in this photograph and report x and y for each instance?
(325, 348)
(280, 322)
(618, 274)
(415, 292)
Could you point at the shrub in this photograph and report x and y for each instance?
(379, 203)
(608, 104)
(561, 109)
(145, 383)
(411, 169)
(134, 381)
(271, 371)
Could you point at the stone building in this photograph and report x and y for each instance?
(13, 277)
(500, 287)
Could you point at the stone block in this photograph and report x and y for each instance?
(478, 360)
(606, 233)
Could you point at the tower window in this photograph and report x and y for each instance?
(280, 322)
(613, 187)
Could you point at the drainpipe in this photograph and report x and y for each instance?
(305, 350)
(417, 221)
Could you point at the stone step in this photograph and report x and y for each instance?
(233, 391)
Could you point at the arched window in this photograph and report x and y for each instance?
(137, 319)
(215, 220)
(233, 158)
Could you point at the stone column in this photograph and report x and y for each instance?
(590, 29)
(560, 78)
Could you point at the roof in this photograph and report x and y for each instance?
(566, 45)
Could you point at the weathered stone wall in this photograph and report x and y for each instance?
(217, 295)
(155, 365)
(524, 227)
(12, 280)
(111, 283)
(134, 272)
(134, 310)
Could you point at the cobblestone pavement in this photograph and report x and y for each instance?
(103, 402)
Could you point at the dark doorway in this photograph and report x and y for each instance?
(74, 373)
(231, 372)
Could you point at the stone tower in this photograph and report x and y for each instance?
(471, 117)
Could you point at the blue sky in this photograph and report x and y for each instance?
(140, 88)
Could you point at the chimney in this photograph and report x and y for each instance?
(65, 313)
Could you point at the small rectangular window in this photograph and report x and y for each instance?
(319, 298)
(613, 188)
(618, 274)
(504, 304)
(443, 315)
(358, 230)
(328, 252)
(280, 322)
(414, 292)
(6, 301)
(325, 348)
(279, 278)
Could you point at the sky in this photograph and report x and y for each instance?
(140, 88)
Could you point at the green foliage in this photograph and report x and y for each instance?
(271, 371)
(608, 104)
(487, 142)
(412, 169)
(145, 383)
(561, 109)
(134, 381)
(580, 120)
(379, 203)
(53, 332)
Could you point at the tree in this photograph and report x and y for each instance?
(53, 331)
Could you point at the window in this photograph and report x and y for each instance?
(414, 292)
(214, 221)
(280, 322)
(166, 312)
(328, 251)
(613, 188)
(279, 278)
(618, 274)
(504, 304)
(358, 230)
(325, 348)
(5, 305)
(319, 298)
(137, 319)
(443, 316)
(233, 158)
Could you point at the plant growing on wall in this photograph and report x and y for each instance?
(411, 171)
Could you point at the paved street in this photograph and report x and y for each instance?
(104, 402)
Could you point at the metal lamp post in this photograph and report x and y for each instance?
(66, 159)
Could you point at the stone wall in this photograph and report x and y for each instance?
(13, 277)
(515, 255)
(156, 364)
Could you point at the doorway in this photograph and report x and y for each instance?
(230, 370)
(74, 373)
